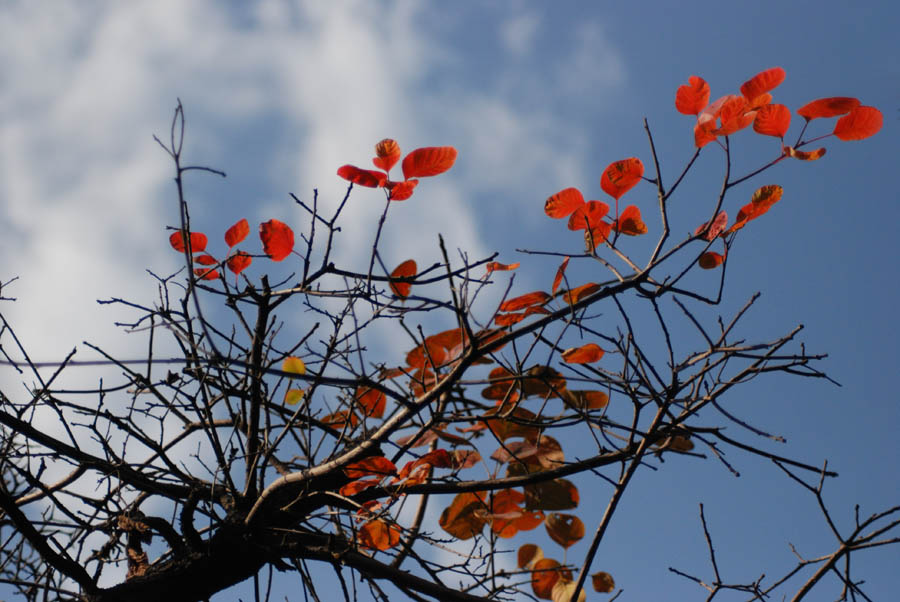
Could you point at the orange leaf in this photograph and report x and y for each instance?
(772, 120)
(356, 486)
(761, 201)
(715, 229)
(340, 420)
(206, 274)
(563, 203)
(364, 177)
(519, 426)
(828, 107)
(596, 236)
(585, 400)
(378, 535)
(762, 82)
(621, 176)
(238, 262)
(466, 516)
(564, 529)
(407, 269)
(494, 266)
(559, 275)
(388, 152)
(710, 260)
(588, 215)
(578, 293)
(528, 554)
(237, 233)
(690, 99)
(804, 155)
(526, 300)
(205, 260)
(198, 242)
(277, 239)
(734, 115)
(428, 161)
(509, 319)
(400, 191)
(859, 123)
(603, 582)
(419, 359)
(372, 401)
(586, 354)
(546, 572)
(375, 466)
(760, 101)
(630, 222)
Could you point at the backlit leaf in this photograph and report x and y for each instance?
(859, 123)
(363, 177)
(340, 420)
(828, 107)
(378, 535)
(526, 300)
(710, 260)
(355, 487)
(238, 262)
(603, 582)
(585, 354)
(466, 516)
(734, 114)
(407, 269)
(521, 425)
(371, 466)
(691, 98)
(237, 232)
(205, 260)
(761, 201)
(563, 203)
(387, 154)
(198, 242)
(772, 120)
(495, 266)
(277, 239)
(546, 573)
(528, 555)
(400, 191)
(762, 82)
(293, 396)
(372, 402)
(564, 529)
(621, 176)
(585, 400)
(578, 293)
(804, 155)
(509, 319)
(294, 365)
(206, 273)
(630, 222)
(715, 229)
(597, 236)
(560, 272)
(428, 161)
(588, 215)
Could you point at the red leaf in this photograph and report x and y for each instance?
(559, 275)
(198, 242)
(710, 260)
(828, 107)
(495, 266)
(388, 153)
(690, 99)
(509, 319)
(580, 292)
(772, 120)
(400, 191)
(205, 260)
(237, 233)
(523, 301)
(238, 262)
(761, 201)
(206, 273)
(715, 229)
(428, 161)
(596, 236)
(563, 203)
(621, 176)
(407, 269)
(586, 354)
(277, 239)
(378, 535)
(372, 401)
(588, 215)
(630, 222)
(762, 82)
(373, 465)
(859, 123)
(363, 177)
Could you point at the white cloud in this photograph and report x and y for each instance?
(517, 33)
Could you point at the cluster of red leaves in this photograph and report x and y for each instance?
(277, 240)
(732, 113)
(420, 163)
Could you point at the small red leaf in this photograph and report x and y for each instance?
(710, 260)
(495, 266)
(586, 354)
(428, 161)
(523, 301)
(859, 123)
(237, 233)
(690, 99)
(400, 191)
(828, 107)
(588, 215)
(407, 269)
(630, 222)
(762, 82)
(621, 176)
(596, 236)
(205, 260)
(509, 319)
(790, 151)
(238, 262)
(206, 273)
(388, 153)
(363, 177)
(715, 229)
(563, 203)
(560, 272)
(772, 120)
(371, 466)
(277, 239)
(198, 242)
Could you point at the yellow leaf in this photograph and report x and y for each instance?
(294, 365)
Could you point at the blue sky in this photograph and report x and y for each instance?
(537, 97)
